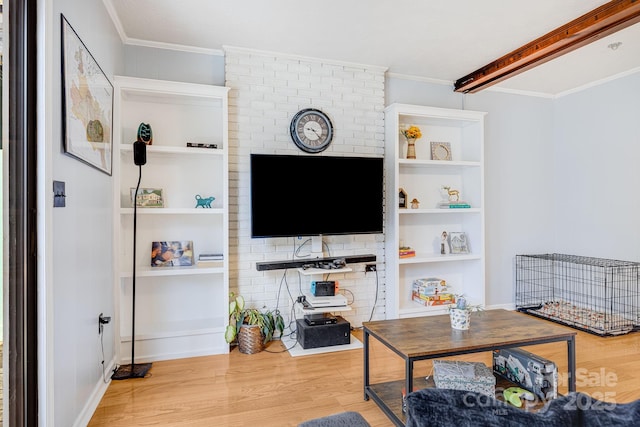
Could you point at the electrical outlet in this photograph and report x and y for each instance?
(369, 267)
(59, 194)
(102, 320)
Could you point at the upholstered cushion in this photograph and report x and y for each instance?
(456, 408)
(343, 419)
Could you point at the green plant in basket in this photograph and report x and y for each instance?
(269, 322)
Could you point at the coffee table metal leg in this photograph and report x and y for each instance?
(571, 355)
(365, 342)
(409, 375)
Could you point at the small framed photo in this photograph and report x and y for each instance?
(459, 242)
(440, 150)
(147, 198)
(402, 199)
(172, 254)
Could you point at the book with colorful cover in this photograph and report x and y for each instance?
(406, 253)
(453, 205)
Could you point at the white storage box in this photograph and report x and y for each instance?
(469, 376)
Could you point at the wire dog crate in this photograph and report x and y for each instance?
(597, 295)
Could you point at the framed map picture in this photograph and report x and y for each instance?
(87, 104)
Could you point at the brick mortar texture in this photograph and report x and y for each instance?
(266, 90)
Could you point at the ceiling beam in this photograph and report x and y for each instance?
(600, 22)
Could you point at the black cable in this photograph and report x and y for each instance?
(104, 377)
(375, 301)
(296, 252)
(133, 281)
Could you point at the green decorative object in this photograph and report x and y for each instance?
(205, 202)
(145, 134)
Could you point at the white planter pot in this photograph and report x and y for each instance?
(460, 319)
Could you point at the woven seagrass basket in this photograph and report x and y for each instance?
(250, 339)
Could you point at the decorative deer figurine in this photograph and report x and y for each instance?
(454, 195)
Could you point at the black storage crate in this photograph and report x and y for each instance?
(592, 294)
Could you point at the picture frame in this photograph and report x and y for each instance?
(147, 198)
(87, 104)
(440, 150)
(172, 254)
(403, 199)
(458, 242)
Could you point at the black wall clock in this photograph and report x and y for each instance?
(311, 130)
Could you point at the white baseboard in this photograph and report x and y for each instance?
(510, 306)
(96, 396)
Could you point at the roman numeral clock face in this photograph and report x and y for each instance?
(311, 130)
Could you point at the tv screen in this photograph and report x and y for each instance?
(308, 195)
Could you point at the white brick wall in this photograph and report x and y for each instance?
(267, 90)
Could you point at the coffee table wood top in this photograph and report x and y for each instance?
(432, 335)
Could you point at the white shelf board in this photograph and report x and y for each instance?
(173, 271)
(420, 258)
(296, 349)
(326, 309)
(416, 310)
(159, 149)
(438, 211)
(173, 211)
(312, 271)
(437, 163)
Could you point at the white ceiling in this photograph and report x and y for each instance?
(427, 39)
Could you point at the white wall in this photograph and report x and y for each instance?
(172, 65)
(596, 161)
(75, 247)
(518, 185)
(266, 92)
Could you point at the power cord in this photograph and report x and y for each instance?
(375, 301)
(104, 372)
(296, 251)
(283, 281)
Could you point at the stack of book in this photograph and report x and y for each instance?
(406, 252)
(454, 205)
(431, 291)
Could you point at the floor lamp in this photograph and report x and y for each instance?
(139, 158)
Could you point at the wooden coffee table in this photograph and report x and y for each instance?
(431, 337)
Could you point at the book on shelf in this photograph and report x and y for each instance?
(406, 252)
(454, 205)
(210, 257)
(201, 145)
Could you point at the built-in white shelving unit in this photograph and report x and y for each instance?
(421, 228)
(180, 311)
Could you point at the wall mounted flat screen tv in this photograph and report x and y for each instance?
(309, 195)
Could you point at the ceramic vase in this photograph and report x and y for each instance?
(460, 319)
(411, 148)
